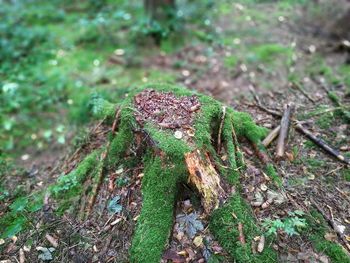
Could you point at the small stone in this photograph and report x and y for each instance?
(178, 135)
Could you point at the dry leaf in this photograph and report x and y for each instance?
(261, 244)
(198, 241)
(52, 240)
(330, 236)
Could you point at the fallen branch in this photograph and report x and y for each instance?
(333, 225)
(260, 105)
(241, 234)
(321, 143)
(271, 136)
(297, 86)
(298, 126)
(288, 112)
(235, 140)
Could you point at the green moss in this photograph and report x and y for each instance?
(159, 189)
(346, 174)
(271, 172)
(225, 228)
(69, 186)
(267, 53)
(318, 228)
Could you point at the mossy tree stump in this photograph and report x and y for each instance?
(182, 138)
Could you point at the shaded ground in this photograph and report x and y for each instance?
(311, 178)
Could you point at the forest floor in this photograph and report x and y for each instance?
(277, 54)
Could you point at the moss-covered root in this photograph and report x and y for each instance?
(225, 228)
(155, 222)
(318, 229)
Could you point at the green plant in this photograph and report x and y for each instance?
(291, 225)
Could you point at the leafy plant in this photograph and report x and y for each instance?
(291, 225)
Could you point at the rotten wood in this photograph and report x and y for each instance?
(203, 176)
(283, 135)
(220, 128)
(318, 141)
(271, 136)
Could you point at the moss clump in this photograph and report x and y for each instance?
(159, 190)
(318, 229)
(225, 228)
(271, 172)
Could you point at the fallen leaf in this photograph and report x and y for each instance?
(114, 206)
(261, 244)
(46, 253)
(22, 257)
(52, 240)
(330, 236)
(189, 224)
(198, 241)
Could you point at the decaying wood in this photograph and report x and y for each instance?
(271, 136)
(220, 128)
(101, 173)
(288, 112)
(241, 234)
(204, 177)
(318, 141)
(331, 222)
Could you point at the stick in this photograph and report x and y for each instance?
(235, 140)
(297, 86)
(220, 127)
(289, 108)
(259, 104)
(321, 143)
(271, 136)
(241, 234)
(332, 224)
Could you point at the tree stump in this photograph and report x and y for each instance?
(182, 138)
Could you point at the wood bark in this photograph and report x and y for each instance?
(203, 176)
(289, 108)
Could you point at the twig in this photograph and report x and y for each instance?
(332, 224)
(260, 105)
(220, 128)
(235, 140)
(321, 143)
(297, 86)
(241, 234)
(271, 136)
(288, 112)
